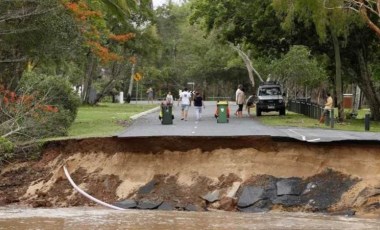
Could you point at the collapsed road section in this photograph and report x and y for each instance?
(245, 174)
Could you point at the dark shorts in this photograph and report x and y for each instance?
(240, 107)
(249, 103)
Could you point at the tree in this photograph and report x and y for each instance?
(328, 24)
(33, 33)
(298, 70)
(106, 49)
(186, 55)
(367, 9)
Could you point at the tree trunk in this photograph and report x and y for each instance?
(87, 83)
(338, 76)
(248, 64)
(369, 90)
(129, 95)
(107, 88)
(356, 98)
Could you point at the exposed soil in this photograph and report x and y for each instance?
(330, 177)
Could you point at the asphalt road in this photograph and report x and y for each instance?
(148, 124)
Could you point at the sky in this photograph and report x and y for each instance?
(160, 2)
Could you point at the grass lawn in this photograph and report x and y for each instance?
(105, 119)
(298, 120)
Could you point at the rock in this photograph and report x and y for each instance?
(126, 204)
(249, 196)
(310, 186)
(288, 200)
(289, 186)
(166, 206)
(270, 190)
(233, 190)
(227, 204)
(193, 208)
(211, 196)
(147, 188)
(259, 206)
(147, 204)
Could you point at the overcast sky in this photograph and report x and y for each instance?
(160, 2)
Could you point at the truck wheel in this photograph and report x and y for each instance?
(258, 112)
(282, 112)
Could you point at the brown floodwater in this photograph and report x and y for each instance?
(100, 218)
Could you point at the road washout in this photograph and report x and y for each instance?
(243, 174)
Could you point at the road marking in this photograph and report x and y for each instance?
(304, 137)
(314, 140)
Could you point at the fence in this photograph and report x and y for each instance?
(306, 108)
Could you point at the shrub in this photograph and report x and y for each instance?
(6, 149)
(57, 92)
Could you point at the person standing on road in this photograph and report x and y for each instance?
(169, 98)
(240, 99)
(185, 99)
(240, 86)
(327, 108)
(198, 104)
(150, 95)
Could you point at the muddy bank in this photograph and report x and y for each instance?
(247, 174)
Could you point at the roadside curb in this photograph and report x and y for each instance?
(134, 117)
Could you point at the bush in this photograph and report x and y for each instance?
(6, 149)
(57, 92)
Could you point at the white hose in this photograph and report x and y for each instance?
(86, 194)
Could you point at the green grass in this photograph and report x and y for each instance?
(105, 119)
(297, 120)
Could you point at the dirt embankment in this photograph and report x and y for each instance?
(248, 174)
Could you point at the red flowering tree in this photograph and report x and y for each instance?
(105, 47)
(23, 117)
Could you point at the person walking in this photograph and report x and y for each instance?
(327, 108)
(198, 104)
(185, 99)
(240, 99)
(150, 95)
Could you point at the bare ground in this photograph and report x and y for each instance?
(183, 169)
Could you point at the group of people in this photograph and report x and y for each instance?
(185, 98)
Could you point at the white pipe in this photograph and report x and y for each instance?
(86, 194)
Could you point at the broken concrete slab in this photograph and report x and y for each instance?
(126, 204)
(147, 204)
(310, 186)
(289, 186)
(288, 200)
(259, 206)
(249, 196)
(212, 196)
(147, 188)
(166, 206)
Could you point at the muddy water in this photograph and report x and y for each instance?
(99, 218)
